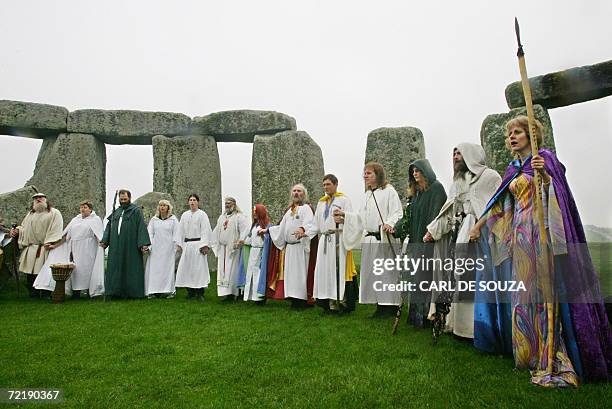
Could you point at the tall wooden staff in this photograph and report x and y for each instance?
(542, 267)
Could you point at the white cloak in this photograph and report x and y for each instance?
(159, 271)
(254, 266)
(481, 187)
(192, 270)
(82, 241)
(356, 225)
(325, 269)
(227, 232)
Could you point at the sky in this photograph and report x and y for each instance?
(341, 68)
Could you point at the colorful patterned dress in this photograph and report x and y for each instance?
(560, 315)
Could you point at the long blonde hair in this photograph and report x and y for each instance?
(163, 202)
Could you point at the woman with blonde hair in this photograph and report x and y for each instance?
(164, 233)
(571, 327)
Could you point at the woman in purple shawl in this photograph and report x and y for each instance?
(571, 326)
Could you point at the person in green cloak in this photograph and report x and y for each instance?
(127, 238)
(425, 204)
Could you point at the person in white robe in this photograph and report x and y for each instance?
(371, 229)
(329, 283)
(40, 232)
(164, 232)
(258, 243)
(291, 236)
(229, 236)
(195, 236)
(79, 246)
(473, 185)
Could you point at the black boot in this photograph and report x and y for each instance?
(200, 294)
(190, 293)
(76, 294)
(29, 284)
(380, 311)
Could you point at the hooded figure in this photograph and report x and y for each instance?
(425, 204)
(474, 183)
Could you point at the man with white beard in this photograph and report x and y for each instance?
(327, 290)
(81, 238)
(195, 237)
(40, 231)
(229, 235)
(291, 236)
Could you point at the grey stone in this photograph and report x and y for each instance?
(149, 201)
(493, 136)
(279, 162)
(242, 125)
(395, 149)
(71, 168)
(14, 205)
(31, 120)
(564, 88)
(120, 127)
(185, 165)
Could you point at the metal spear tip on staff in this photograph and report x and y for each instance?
(542, 269)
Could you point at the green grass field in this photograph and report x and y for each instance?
(178, 353)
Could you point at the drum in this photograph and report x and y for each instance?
(60, 273)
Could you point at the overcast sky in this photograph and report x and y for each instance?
(341, 68)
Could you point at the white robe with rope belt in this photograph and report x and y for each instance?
(297, 252)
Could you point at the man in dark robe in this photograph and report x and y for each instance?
(127, 238)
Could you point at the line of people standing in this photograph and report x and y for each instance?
(307, 257)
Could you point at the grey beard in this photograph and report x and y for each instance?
(40, 207)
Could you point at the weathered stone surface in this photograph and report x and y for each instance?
(395, 148)
(242, 125)
(493, 136)
(71, 168)
(149, 201)
(31, 120)
(120, 127)
(279, 162)
(185, 165)
(564, 88)
(14, 205)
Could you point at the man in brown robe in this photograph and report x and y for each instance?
(40, 231)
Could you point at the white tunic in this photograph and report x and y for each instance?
(325, 270)
(82, 238)
(296, 251)
(253, 273)
(356, 225)
(192, 270)
(159, 272)
(228, 231)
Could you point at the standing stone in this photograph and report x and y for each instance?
(120, 127)
(149, 201)
(242, 125)
(185, 165)
(71, 168)
(564, 88)
(279, 162)
(31, 120)
(395, 149)
(493, 136)
(14, 205)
